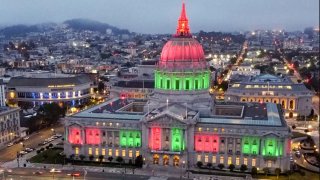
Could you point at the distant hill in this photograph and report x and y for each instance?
(85, 24)
(22, 30)
(75, 24)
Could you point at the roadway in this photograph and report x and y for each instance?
(10, 153)
(28, 174)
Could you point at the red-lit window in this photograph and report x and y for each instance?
(75, 135)
(93, 136)
(155, 138)
(206, 143)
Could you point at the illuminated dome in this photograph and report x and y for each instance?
(182, 74)
(182, 51)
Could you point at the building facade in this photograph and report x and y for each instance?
(180, 124)
(294, 98)
(2, 93)
(71, 90)
(9, 125)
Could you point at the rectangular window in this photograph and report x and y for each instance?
(168, 84)
(76, 151)
(229, 160)
(177, 85)
(97, 151)
(187, 85)
(222, 160)
(214, 159)
(90, 151)
(137, 153)
(110, 152)
(237, 161)
(199, 157)
(245, 161)
(103, 152)
(196, 86)
(130, 153)
(206, 159)
(117, 152)
(253, 162)
(123, 153)
(269, 163)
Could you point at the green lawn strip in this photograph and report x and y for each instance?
(49, 156)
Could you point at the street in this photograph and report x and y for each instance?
(10, 153)
(28, 174)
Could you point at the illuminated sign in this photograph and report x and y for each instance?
(61, 86)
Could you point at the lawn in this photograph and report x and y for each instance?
(50, 156)
(295, 176)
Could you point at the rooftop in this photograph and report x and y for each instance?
(256, 114)
(119, 109)
(46, 81)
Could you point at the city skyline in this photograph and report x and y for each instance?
(155, 18)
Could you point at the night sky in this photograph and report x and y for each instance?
(159, 16)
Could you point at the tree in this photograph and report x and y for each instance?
(254, 171)
(101, 86)
(220, 166)
(266, 170)
(101, 158)
(51, 112)
(110, 158)
(139, 161)
(119, 159)
(91, 157)
(277, 171)
(231, 167)
(82, 157)
(243, 167)
(209, 165)
(199, 164)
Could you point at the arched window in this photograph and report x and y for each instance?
(291, 104)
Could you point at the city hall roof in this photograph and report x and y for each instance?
(253, 114)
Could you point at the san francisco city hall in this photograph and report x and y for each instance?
(180, 124)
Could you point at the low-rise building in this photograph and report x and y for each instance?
(294, 98)
(71, 90)
(9, 125)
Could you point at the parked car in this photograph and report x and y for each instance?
(28, 149)
(37, 173)
(26, 138)
(10, 144)
(23, 152)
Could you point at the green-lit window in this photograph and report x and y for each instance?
(177, 84)
(196, 85)
(129, 138)
(187, 84)
(176, 139)
(168, 84)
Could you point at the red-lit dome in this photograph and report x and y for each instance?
(182, 49)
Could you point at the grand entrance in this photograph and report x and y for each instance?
(176, 160)
(165, 160)
(155, 159)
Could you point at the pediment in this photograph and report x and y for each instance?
(75, 124)
(270, 134)
(167, 119)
